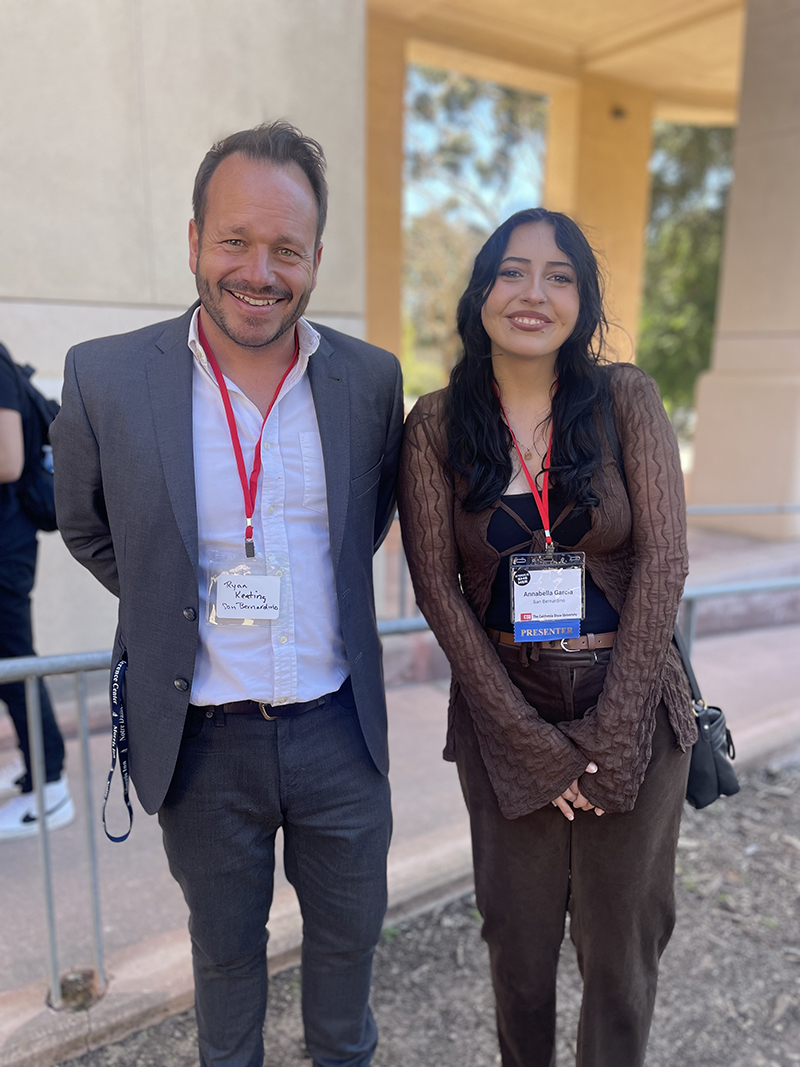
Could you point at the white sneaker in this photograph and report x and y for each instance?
(10, 776)
(20, 818)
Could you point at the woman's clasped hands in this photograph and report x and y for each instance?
(572, 797)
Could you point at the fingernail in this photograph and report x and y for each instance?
(592, 768)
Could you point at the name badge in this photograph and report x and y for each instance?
(547, 595)
(248, 596)
(246, 591)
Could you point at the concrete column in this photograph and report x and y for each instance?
(598, 151)
(386, 74)
(562, 156)
(748, 404)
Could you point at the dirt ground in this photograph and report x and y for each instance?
(729, 994)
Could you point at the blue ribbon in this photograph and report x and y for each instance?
(119, 746)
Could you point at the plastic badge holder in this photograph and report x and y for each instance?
(244, 591)
(548, 595)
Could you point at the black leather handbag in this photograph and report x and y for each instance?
(711, 774)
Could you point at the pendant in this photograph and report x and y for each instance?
(528, 454)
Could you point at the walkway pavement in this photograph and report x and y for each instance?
(754, 675)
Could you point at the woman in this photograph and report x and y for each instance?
(572, 754)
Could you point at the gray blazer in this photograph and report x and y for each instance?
(125, 499)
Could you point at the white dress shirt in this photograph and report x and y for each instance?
(300, 655)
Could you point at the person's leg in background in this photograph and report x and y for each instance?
(18, 817)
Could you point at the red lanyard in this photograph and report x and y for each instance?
(249, 488)
(543, 500)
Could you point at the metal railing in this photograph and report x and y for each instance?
(698, 510)
(688, 610)
(31, 669)
(692, 594)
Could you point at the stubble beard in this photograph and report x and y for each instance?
(211, 299)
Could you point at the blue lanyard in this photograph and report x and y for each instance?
(119, 746)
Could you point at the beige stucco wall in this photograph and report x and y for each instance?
(748, 427)
(108, 108)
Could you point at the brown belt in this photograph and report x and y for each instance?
(273, 711)
(585, 643)
(258, 707)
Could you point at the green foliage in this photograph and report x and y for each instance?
(473, 155)
(466, 137)
(691, 177)
(421, 373)
(438, 261)
(471, 148)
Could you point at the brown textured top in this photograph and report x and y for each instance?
(635, 552)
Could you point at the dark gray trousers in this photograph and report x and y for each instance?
(613, 873)
(238, 779)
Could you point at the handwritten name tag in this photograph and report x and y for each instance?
(248, 596)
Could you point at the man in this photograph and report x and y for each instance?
(19, 816)
(228, 475)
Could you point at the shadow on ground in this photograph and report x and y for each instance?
(730, 984)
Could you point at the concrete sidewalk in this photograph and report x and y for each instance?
(143, 911)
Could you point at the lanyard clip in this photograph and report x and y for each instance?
(249, 547)
(549, 546)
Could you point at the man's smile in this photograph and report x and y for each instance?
(255, 301)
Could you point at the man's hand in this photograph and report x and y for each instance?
(573, 796)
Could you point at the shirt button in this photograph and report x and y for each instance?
(283, 640)
(278, 574)
(181, 684)
(271, 509)
(190, 614)
(266, 446)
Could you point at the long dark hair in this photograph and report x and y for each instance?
(478, 441)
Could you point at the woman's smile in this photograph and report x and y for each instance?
(533, 305)
(527, 321)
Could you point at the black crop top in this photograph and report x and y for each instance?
(510, 531)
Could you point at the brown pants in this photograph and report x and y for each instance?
(614, 873)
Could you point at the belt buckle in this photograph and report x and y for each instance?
(564, 647)
(262, 707)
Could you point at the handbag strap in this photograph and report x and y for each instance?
(616, 449)
(680, 642)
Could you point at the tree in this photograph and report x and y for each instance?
(438, 260)
(474, 153)
(472, 146)
(691, 177)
